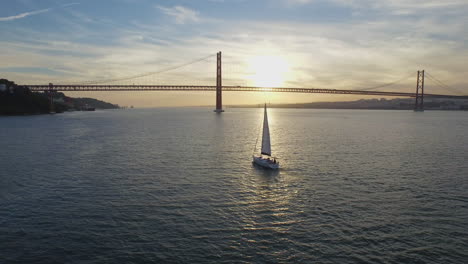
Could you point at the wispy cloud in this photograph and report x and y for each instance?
(26, 14)
(35, 12)
(298, 1)
(396, 4)
(70, 4)
(181, 14)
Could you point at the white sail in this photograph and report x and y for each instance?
(266, 147)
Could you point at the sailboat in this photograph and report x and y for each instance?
(265, 159)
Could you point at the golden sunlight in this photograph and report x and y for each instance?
(268, 71)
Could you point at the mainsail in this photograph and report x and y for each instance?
(266, 147)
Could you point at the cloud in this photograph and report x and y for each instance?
(70, 4)
(35, 12)
(299, 1)
(181, 14)
(26, 14)
(398, 4)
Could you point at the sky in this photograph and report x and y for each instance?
(338, 44)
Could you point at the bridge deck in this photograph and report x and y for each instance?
(123, 88)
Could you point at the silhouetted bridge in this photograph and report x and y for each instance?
(219, 88)
(206, 88)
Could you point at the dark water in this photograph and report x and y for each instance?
(178, 186)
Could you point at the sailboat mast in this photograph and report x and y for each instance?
(266, 147)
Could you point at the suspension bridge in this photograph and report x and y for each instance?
(110, 86)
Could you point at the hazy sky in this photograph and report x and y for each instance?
(347, 44)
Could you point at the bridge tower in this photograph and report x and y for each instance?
(219, 85)
(51, 99)
(419, 103)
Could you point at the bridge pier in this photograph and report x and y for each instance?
(219, 85)
(419, 100)
(51, 99)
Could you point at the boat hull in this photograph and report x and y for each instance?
(265, 163)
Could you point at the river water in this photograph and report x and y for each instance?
(177, 185)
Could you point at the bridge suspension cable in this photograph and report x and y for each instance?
(442, 84)
(148, 73)
(386, 84)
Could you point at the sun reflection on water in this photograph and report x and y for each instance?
(265, 206)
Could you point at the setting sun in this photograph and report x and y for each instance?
(268, 71)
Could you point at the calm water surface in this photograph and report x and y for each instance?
(178, 186)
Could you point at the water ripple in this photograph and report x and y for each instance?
(178, 186)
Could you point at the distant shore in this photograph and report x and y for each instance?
(372, 104)
(20, 100)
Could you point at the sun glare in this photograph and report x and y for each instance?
(268, 71)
